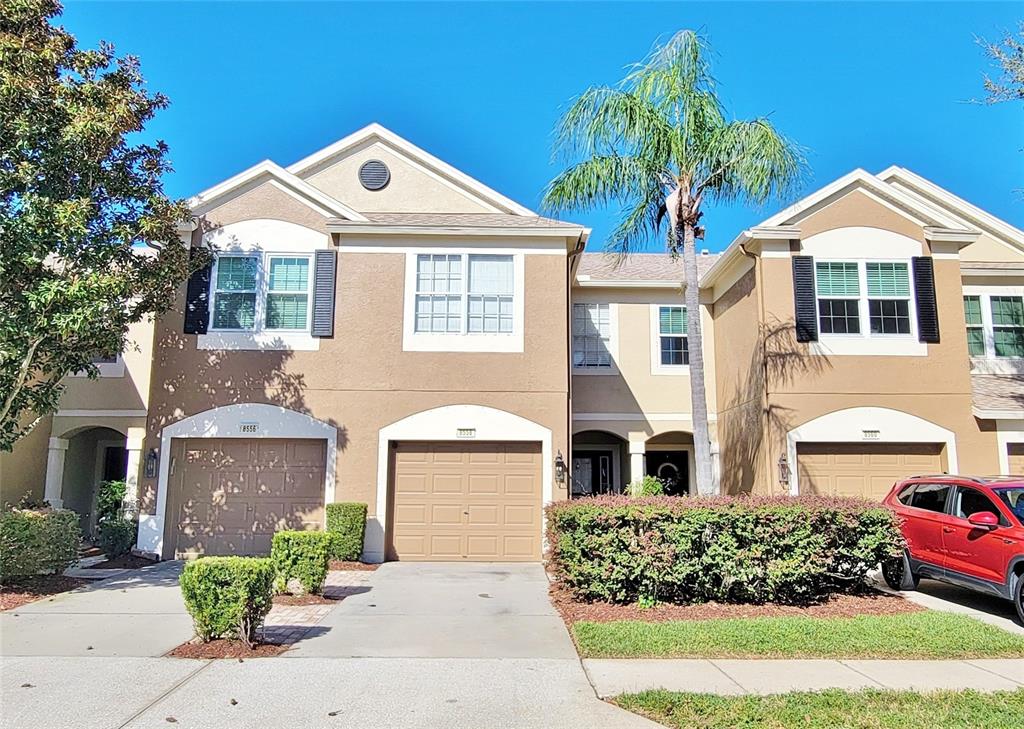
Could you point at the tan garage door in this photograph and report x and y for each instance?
(1016, 453)
(859, 469)
(229, 496)
(466, 502)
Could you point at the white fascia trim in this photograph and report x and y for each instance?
(454, 240)
(443, 424)
(973, 272)
(271, 421)
(412, 341)
(983, 414)
(849, 426)
(416, 155)
(205, 199)
(924, 214)
(73, 413)
(954, 204)
(629, 284)
(482, 231)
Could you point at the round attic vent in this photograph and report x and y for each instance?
(374, 175)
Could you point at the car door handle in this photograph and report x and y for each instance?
(948, 530)
(1008, 541)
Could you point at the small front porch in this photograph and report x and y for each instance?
(605, 463)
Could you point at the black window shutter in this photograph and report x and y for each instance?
(323, 293)
(924, 293)
(803, 298)
(197, 298)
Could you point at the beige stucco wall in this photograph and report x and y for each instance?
(361, 379)
(412, 188)
(23, 470)
(987, 249)
(801, 386)
(129, 391)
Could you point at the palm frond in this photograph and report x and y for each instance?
(749, 160)
(606, 121)
(600, 180)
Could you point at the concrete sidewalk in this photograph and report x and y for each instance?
(140, 614)
(737, 677)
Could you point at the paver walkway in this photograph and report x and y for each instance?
(611, 677)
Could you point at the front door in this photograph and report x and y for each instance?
(673, 468)
(591, 473)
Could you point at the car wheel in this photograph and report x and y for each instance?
(898, 575)
(1018, 598)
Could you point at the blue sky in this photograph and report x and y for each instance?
(481, 84)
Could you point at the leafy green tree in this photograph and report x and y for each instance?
(660, 145)
(88, 239)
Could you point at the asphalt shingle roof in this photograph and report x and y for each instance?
(998, 392)
(640, 266)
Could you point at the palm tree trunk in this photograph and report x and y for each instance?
(698, 393)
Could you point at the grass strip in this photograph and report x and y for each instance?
(928, 634)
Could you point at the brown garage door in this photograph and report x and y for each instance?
(466, 502)
(229, 496)
(1016, 453)
(860, 469)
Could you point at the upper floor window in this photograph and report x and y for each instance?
(591, 335)
(995, 325)
(673, 343)
(464, 294)
(863, 297)
(261, 292)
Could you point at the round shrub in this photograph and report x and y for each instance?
(346, 523)
(117, 536)
(228, 597)
(34, 542)
(725, 549)
(300, 560)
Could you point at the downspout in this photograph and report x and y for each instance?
(573, 265)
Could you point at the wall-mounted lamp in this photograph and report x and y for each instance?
(783, 470)
(152, 460)
(559, 468)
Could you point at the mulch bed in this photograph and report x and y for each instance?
(30, 589)
(304, 600)
(223, 648)
(337, 565)
(839, 606)
(124, 562)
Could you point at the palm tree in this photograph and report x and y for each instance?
(660, 146)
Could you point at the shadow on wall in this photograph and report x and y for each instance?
(777, 360)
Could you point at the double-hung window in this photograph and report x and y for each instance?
(871, 298)
(464, 294)
(261, 292)
(591, 335)
(673, 343)
(995, 325)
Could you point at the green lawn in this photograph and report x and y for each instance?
(832, 710)
(925, 634)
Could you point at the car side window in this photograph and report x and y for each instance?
(905, 494)
(930, 496)
(971, 501)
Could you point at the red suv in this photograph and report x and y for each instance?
(963, 530)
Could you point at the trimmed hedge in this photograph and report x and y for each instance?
(725, 549)
(346, 523)
(117, 536)
(228, 597)
(33, 542)
(300, 557)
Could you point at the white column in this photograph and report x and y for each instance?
(55, 472)
(133, 444)
(636, 460)
(716, 471)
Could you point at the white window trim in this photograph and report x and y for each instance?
(413, 341)
(657, 368)
(260, 337)
(990, 364)
(866, 343)
(613, 341)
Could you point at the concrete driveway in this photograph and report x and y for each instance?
(420, 645)
(139, 615)
(443, 610)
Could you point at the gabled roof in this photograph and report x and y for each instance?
(470, 187)
(298, 188)
(967, 214)
(908, 204)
